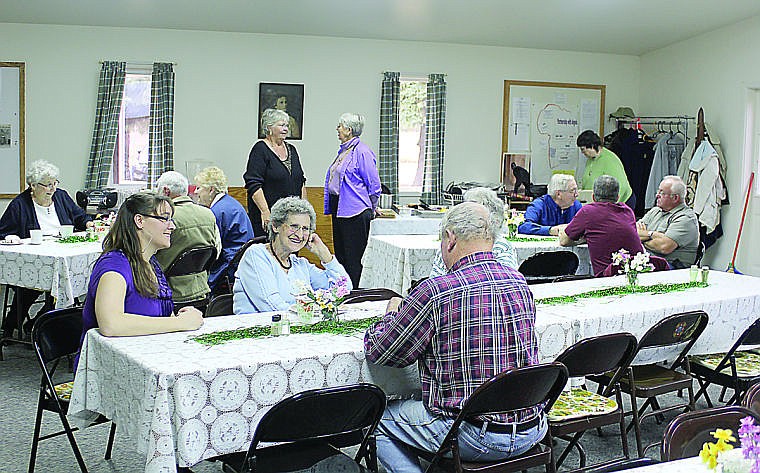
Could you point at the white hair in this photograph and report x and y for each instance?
(174, 181)
(271, 116)
(39, 170)
(469, 221)
(354, 121)
(559, 182)
(490, 200)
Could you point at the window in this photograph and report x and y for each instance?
(411, 140)
(131, 163)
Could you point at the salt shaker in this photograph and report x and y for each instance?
(276, 325)
(705, 273)
(694, 273)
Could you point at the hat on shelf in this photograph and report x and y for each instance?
(623, 112)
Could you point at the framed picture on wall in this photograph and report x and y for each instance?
(285, 97)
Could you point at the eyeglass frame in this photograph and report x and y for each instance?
(295, 228)
(161, 218)
(52, 185)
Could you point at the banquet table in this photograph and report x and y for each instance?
(405, 225)
(394, 261)
(62, 269)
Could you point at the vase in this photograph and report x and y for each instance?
(331, 315)
(512, 230)
(633, 278)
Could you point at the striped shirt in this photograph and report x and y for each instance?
(463, 328)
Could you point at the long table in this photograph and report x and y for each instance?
(182, 402)
(394, 261)
(411, 225)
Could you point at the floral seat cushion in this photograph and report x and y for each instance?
(63, 390)
(747, 362)
(580, 403)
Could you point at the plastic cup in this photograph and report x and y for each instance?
(36, 237)
(67, 230)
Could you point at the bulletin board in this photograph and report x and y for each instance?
(11, 128)
(542, 121)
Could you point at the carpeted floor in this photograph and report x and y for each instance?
(19, 382)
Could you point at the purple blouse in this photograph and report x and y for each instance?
(359, 182)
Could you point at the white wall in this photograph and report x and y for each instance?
(714, 71)
(217, 76)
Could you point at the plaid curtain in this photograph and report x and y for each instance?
(388, 158)
(432, 181)
(161, 131)
(106, 128)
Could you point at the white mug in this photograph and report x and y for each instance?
(36, 237)
(67, 230)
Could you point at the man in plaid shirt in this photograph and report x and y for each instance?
(462, 328)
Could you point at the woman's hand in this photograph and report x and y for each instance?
(265, 217)
(318, 247)
(190, 318)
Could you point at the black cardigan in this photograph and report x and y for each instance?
(20, 216)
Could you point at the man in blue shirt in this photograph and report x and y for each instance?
(550, 213)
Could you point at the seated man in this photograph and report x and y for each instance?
(442, 326)
(549, 213)
(196, 227)
(670, 229)
(606, 224)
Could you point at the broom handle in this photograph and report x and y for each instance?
(744, 212)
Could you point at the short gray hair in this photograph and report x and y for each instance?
(271, 116)
(174, 181)
(287, 206)
(490, 200)
(212, 176)
(39, 170)
(606, 189)
(677, 186)
(353, 121)
(559, 182)
(469, 221)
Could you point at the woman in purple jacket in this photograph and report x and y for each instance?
(352, 189)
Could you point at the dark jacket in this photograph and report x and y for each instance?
(20, 216)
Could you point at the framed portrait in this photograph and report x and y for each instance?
(285, 97)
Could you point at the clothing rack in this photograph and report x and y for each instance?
(674, 120)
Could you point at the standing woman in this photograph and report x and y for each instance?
(274, 170)
(352, 189)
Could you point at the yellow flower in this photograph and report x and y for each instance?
(724, 434)
(709, 455)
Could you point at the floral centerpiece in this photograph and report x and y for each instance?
(514, 219)
(631, 266)
(321, 302)
(749, 437)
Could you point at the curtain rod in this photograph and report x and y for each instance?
(140, 64)
(635, 119)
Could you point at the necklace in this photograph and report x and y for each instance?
(271, 248)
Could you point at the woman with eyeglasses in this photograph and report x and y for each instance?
(42, 206)
(128, 293)
(270, 274)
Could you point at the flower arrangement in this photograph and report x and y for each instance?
(324, 302)
(631, 266)
(749, 437)
(710, 450)
(514, 219)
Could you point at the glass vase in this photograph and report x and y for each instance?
(633, 279)
(331, 315)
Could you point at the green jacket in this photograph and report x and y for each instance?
(606, 163)
(196, 226)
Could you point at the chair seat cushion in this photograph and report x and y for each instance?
(580, 403)
(63, 390)
(747, 362)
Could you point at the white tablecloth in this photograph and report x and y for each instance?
(405, 226)
(394, 261)
(63, 269)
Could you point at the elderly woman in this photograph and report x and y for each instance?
(281, 103)
(42, 206)
(274, 170)
(352, 190)
(599, 162)
(503, 250)
(270, 274)
(234, 225)
(128, 293)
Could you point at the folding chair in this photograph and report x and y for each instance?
(752, 399)
(578, 410)
(544, 266)
(235, 261)
(310, 426)
(219, 305)
(363, 295)
(511, 390)
(686, 434)
(651, 380)
(55, 336)
(737, 369)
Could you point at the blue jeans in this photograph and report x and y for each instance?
(408, 423)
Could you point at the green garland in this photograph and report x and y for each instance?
(77, 239)
(530, 239)
(621, 291)
(348, 327)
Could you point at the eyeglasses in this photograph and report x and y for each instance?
(299, 228)
(51, 185)
(659, 192)
(572, 191)
(166, 220)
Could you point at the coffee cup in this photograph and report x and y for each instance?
(35, 237)
(67, 230)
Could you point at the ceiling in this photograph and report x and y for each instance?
(604, 26)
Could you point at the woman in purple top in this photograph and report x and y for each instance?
(128, 293)
(352, 189)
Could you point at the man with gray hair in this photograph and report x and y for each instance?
(670, 229)
(550, 213)
(195, 227)
(606, 225)
(442, 326)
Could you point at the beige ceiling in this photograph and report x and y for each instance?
(612, 26)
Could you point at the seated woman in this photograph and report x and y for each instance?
(269, 274)
(42, 206)
(128, 293)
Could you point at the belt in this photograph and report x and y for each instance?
(506, 428)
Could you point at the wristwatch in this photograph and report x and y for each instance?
(651, 232)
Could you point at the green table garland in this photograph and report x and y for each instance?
(348, 327)
(518, 239)
(621, 291)
(77, 239)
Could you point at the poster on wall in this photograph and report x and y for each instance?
(285, 97)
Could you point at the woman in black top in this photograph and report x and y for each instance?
(274, 170)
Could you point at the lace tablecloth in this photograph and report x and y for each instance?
(405, 226)
(394, 261)
(63, 269)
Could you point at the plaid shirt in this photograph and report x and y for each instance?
(464, 328)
